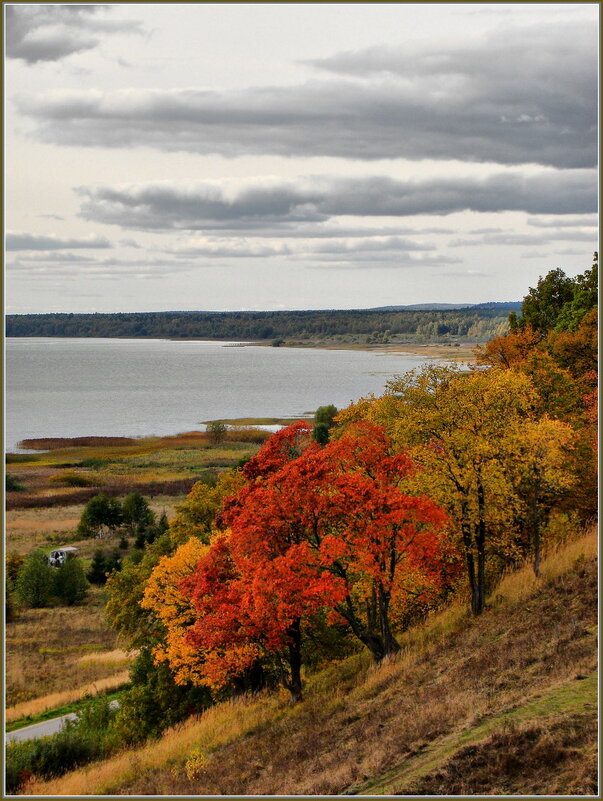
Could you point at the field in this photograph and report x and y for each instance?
(59, 654)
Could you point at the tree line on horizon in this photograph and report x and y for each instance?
(367, 325)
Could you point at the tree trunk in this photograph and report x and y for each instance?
(294, 684)
(468, 548)
(536, 526)
(480, 541)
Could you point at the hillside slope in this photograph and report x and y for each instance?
(498, 705)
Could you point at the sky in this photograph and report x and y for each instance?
(269, 156)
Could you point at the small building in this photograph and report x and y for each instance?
(60, 555)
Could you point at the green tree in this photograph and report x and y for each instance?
(35, 581)
(101, 516)
(323, 422)
(137, 514)
(70, 584)
(542, 306)
(12, 485)
(585, 298)
(97, 574)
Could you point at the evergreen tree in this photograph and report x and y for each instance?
(71, 585)
(323, 421)
(137, 514)
(97, 574)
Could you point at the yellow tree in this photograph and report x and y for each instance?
(543, 450)
(175, 611)
(464, 430)
(196, 517)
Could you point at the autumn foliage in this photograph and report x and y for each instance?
(314, 530)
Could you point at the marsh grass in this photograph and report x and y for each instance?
(73, 471)
(359, 722)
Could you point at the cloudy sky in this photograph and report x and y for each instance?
(292, 156)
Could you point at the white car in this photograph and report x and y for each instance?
(60, 555)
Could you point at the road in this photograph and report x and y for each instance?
(43, 729)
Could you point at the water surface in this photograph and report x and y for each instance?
(137, 387)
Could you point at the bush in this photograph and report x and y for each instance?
(71, 479)
(70, 582)
(78, 743)
(35, 581)
(12, 485)
(154, 702)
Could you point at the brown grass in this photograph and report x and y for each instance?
(150, 488)
(58, 443)
(553, 757)
(358, 721)
(42, 657)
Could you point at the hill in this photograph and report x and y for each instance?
(502, 704)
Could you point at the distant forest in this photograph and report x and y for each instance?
(365, 326)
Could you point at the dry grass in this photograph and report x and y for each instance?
(215, 728)
(41, 655)
(113, 659)
(359, 721)
(55, 700)
(27, 529)
(553, 757)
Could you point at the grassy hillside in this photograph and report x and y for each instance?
(505, 703)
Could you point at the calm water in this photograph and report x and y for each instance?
(133, 387)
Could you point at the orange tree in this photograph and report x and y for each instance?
(328, 529)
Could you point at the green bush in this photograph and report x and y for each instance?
(71, 479)
(12, 485)
(216, 431)
(78, 743)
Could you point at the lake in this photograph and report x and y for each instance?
(137, 387)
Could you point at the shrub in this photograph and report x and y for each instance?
(69, 478)
(12, 485)
(35, 581)
(78, 743)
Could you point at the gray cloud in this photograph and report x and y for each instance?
(259, 205)
(526, 97)
(24, 241)
(48, 32)
(56, 256)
